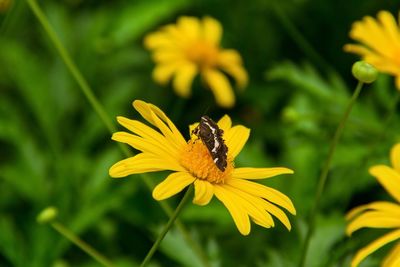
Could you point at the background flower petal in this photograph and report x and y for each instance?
(395, 157)
(378, 206)
(212, 30)
(220, 87)
(388, 178)
(190, 27)
(172, 185)
(371, 248)
(393, 258)
(183, 79)
(373, 219)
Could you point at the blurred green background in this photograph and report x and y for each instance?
(54, 150)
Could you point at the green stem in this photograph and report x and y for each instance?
(81, 244)
(99, 109)
(167, 227)
(324, 174)
(87, 91)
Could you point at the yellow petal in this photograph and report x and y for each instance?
(220, 87)
(164, 56)
(230, 56)
(225, 123)
(144, 145)
(240, 216)
(150, 134)
(183, 79)
(235, 139)
(158, 40)
(371, 248)
(162, 73)
(265, 205)
(212, 30)
(157, 117)
(238, 73)
(259, 173)
(252, 205)
(398, 81)
(278, 213)
(203, 192)
(141, 163)
(357, 49)
(393, 258)
(370, 33)
(380, 62)
(172, 185)
(390, 27)
(190, 27)
(388, 178)
(232, 65)
(377, 205)
(373, 219)
(395, 157)
(265, 192)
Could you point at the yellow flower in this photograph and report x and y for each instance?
(381, 214)
(192, 46)
(191, 163)
(380, 43)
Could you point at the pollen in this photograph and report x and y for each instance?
(197, 160)
(205, 55)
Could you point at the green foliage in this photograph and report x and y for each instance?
(54, 150)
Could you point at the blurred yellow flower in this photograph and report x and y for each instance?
(192, 46)
(5, 5)
(192, 163)
(380, 43)
(380, 214)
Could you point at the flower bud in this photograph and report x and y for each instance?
(47, 215)
(290, 114)
(364, 72)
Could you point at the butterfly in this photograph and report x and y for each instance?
(211, 136)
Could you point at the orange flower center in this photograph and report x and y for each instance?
(197, 160)
(204, 54)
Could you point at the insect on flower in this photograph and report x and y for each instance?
(211, 135)
(208, 164)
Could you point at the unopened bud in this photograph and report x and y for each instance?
(47, 215)
(364, 72)
(289, 114)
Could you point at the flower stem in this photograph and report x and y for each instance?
(81, 244)
(71, 65)
(167, 227)
(324, 173)
(99, 109)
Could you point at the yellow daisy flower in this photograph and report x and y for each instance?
(192, 163)
(192, 46)
(380, 214)
(380, 43)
